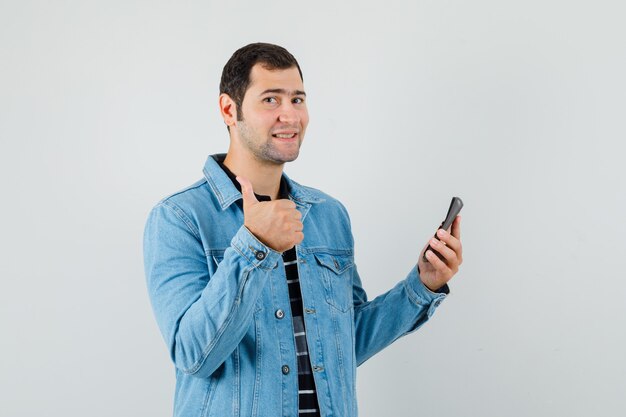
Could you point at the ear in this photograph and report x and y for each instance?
(228, 109)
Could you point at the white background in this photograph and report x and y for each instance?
(517, 107)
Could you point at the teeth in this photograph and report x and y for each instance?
(285, 136)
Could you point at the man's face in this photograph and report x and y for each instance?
(275, 116)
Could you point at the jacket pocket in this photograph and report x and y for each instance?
(208, 397)
(214, 257)
(336, 274)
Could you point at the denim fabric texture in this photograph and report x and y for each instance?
(215, 290)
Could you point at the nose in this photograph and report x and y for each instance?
(288, 113)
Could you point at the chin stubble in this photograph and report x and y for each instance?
(266, 151)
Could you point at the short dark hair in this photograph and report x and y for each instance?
(236, 73)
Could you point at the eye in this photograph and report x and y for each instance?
(270, 100)
(298, 100)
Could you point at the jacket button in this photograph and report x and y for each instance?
(285, 369)
(279, 314)
(260, 255)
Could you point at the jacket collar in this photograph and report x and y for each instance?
(226, 192)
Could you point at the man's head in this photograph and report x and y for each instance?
(236, 73)
(262, 99)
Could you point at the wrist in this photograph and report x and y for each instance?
(430, 286)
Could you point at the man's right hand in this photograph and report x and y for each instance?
(275, 223)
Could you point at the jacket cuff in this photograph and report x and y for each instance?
(421, 295)
(254, 251)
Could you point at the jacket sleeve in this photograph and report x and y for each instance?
(202, 318)
(396, 313)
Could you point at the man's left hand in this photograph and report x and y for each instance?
(435, 272)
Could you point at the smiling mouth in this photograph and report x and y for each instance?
(285, 135)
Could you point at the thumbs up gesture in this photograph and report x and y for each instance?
(275, 223)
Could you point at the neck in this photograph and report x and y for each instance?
(264, 176)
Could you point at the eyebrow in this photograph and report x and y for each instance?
(283, 91)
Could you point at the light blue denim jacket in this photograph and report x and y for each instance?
(215, 289)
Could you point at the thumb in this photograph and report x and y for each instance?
(249, 198)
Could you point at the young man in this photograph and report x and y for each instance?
(252, 277)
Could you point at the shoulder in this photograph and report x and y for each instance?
(324, 201)
(186, 202)
(188, 195)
